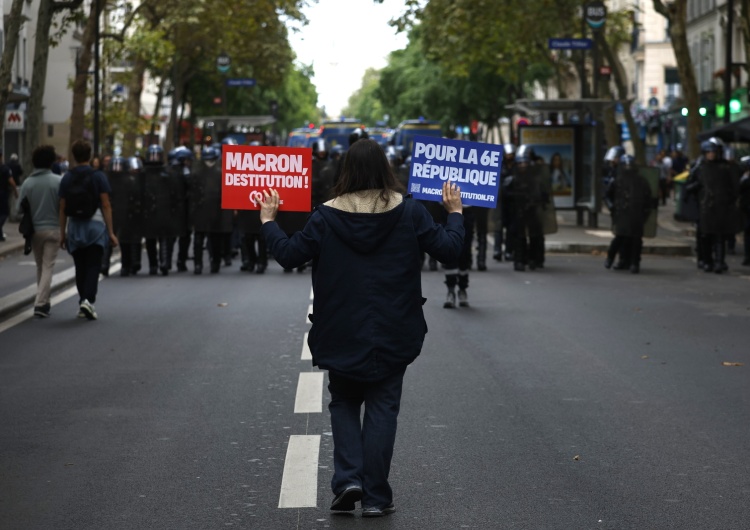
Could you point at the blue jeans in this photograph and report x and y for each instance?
(362, 452)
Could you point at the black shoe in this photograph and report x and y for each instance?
(135, 269)
(481, 266)
(181, 267)
(508, 256)
(105, 272)
(124, 272)
(347, 499)
(532, 265)
(520, 267)
(498, 256)
(164, 271)
(450, 300)
(227, 262)
(607, 263)
(261, 268)
(721, 267)
(621, 266)
(635, 269)
(153, 271)
(42, 311)
(247, 267)
(708, 267)
(215, 267)
(371, 511)
(198, 269)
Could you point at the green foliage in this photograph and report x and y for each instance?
(364, 104)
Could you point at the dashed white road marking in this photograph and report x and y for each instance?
(299, 483)
(306, 354)
(309, 393)
(311, 294)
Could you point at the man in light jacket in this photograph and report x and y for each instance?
(40, 188)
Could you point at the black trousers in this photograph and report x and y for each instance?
(88, 264)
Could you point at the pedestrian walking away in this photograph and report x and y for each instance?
(85, 224)
(367, 320)
(7, 187)
(40, 190)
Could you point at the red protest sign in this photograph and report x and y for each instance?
(247, 170)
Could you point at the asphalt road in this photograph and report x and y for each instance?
(568, 398)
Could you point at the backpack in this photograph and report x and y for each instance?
(81, 201)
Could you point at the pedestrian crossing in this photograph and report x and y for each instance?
(299, 481)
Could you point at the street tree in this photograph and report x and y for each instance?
(676, 14)
(66, 13)
(12, 30)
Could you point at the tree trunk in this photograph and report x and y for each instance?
(157, 107)
(34, 107)
(745, 25)
(622, 92)
(133, 105)
(80, 84)
(676, 13)
(9, 51)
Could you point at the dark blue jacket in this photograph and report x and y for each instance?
(367, 308)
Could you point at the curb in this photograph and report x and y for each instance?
(24, 299)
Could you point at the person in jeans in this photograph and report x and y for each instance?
(367, 321)
(86, 239)
(40, 188)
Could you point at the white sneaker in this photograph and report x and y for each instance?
(88, 310)
(450, 300)
(81, 314)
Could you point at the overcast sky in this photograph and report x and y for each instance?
(342, 40)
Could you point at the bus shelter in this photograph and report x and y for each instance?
(573, 151)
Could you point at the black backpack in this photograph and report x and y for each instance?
(81, 201)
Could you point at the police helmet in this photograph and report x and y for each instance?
(337, 151)
(357, 134)
(210, 153)
(525, 154)
(179, 155)
(712, 145)
(155, 155)
(229, 141)
(118, 164)
(745, 162)
(614, 153)
(393, 154)
(730, 154)
(135, 164)
(627, 161)
(509, 149)
(254, 143)
(319, 146)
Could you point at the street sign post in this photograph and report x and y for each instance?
(240, 82)
(570, 44)
(223, 63)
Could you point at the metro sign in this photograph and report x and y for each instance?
(15, 120)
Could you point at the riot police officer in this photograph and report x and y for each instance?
(501, 211)
(211, 224)
(716, 185)
(744, 203)
(126, 178)
(630, 202)
(180, 160)
(528, 200)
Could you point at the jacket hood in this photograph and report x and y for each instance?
(363, 220)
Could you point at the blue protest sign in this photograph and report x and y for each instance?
(473, 166)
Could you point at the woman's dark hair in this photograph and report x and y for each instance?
(43, 157)
(366, 168)
(81, 150)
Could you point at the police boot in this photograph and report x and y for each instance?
(482, 255)
(721, 264)
(262, 257)
(451, 280)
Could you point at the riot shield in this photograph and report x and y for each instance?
(651, 174)
(633, 203)
(164, 203)
(718, 199)
(206, 214)
(549, 215)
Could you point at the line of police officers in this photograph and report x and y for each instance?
(165, 201)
